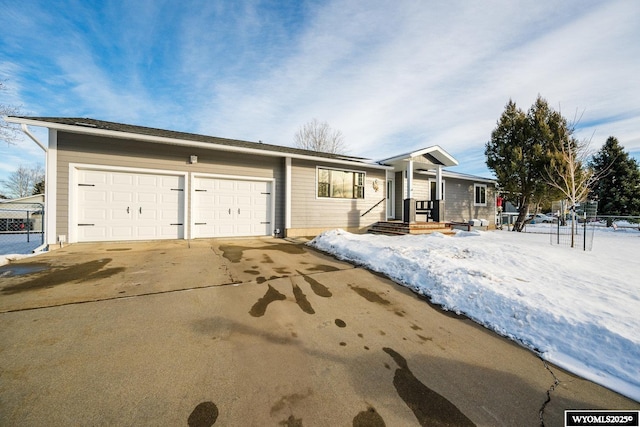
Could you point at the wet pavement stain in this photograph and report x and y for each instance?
(254, 272)
(260, 307)
(340, 323)
(370, 295)
(302, 301)
(12, 270)
(317, 287)
(368, 418)
(289, 400)
(77, 273)
(203, 415)
(263, 279)
(324, 268)
(235, 253)
(291, 422)
(429, 407)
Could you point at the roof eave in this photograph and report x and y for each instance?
(183, 142)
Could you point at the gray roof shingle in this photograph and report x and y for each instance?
(142, 130)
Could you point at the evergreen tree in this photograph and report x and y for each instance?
(38, 188)
(618, 189)
(519, 152)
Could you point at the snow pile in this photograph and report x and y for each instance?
(579, 310)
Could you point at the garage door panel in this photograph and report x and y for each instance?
(231, 207)
(120, 179)
(94, 177)
(147, 197)
(121, 196)
(120, 214)
(92, 233)
(116, 205)
(118, 232)
(225, 184)
(95, 196)
(93, 215)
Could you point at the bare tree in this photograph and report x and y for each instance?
(23, 181)
(570, 173)
(319, 136)
(8, 131)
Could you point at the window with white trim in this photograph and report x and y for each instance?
(340, 184)
(480, 191)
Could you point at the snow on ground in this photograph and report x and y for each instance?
(16, 246)
(579, 310)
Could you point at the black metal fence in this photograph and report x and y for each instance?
(575, 226)
(21, 227)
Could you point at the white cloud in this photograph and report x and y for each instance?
(393, 76)
(406, 74)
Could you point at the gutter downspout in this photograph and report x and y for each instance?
(27, 132)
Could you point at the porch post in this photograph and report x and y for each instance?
(438, 209)
(409, 179)
(438, 182)
(409, 210)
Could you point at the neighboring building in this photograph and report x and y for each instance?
(109, 181)
(22, 214)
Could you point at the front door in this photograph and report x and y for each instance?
(391, 211)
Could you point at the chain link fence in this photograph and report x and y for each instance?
(21, 227)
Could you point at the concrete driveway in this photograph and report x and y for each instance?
(254, 332)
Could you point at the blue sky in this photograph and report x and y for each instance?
(392, 76)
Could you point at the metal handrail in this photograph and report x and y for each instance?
(372, 207)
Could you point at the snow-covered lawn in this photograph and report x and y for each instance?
(579, 310)
(15, 246)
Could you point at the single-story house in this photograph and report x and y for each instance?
(112, 182)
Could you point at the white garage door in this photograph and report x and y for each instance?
(227, 207)
(129, 206)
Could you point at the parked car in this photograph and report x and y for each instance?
(541, 219)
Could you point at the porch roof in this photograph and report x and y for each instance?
(430, 156)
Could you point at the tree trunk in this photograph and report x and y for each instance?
(521, 221)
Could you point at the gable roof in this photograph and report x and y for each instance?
(125, 131)
(433, 155)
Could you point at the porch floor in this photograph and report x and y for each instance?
(399, 228)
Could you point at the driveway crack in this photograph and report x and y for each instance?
(553, 386)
